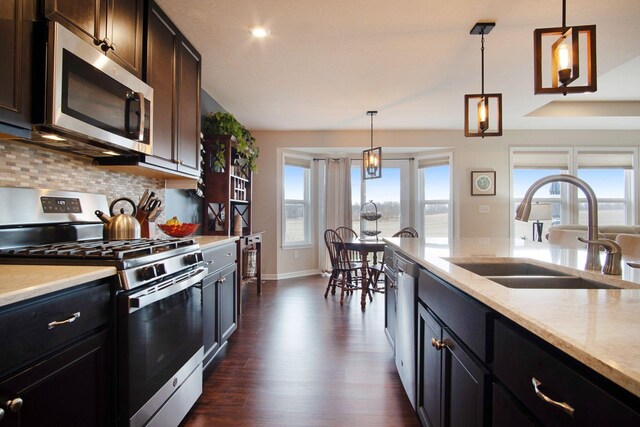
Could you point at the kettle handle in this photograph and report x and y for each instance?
(135, 209)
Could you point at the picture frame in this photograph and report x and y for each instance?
(483, 183)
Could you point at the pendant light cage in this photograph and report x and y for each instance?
(482, 111)
(565, 58)
(372, 157)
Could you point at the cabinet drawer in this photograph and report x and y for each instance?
(467, 318)
(518, 359)
(218, 257)
(29, 332)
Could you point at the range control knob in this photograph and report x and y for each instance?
(147, 273)
(194, 258)
(160, 270)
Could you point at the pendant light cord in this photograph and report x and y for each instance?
(564, 15)
(482, 61)
(371, 130)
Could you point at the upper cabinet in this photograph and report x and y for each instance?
(112, 26)
(173, 70)
(16, 33)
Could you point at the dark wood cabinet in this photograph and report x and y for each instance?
(70, 388)
(112, 26)
(173, 70)
(451, 381)
(16, 34)
(477, 368)
(575, 398)
(428, 402)
(56, 360)
(390, 306)
(219, 293)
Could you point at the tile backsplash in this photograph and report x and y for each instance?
(27, 165)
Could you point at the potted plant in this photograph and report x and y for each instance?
(221, 123)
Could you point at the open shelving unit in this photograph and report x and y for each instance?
(227, 188)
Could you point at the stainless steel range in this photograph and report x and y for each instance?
(158, 299)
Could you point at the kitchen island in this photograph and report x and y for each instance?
(599, 328)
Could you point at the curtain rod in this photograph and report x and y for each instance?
(359, 158)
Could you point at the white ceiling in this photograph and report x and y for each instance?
(325, 63)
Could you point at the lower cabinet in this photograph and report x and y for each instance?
(69, 389)
(451, 382)
(552, 387)
(390, 301)
(477, 368)
(219, 297)
(56, 359)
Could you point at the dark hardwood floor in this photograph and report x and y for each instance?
(300, 360)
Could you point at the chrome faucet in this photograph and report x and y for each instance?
(612, 261)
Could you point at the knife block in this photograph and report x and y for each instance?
(148, 229)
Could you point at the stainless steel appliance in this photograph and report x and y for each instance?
(406, 283)
(158, 300)
(93, 105)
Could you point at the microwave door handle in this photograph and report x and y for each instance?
(141, 122)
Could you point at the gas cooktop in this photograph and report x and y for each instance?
(99, 249)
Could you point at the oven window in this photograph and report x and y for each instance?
(162, 337)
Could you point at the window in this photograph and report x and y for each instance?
(296, 207)
(527, 167)
(388, 193)
(434, 174)
(609, 173)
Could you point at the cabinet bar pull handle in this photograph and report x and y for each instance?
(70, 319)
(437, 344)
(561, 405)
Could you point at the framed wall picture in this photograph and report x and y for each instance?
(483, 183)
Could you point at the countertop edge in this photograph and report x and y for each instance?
(43, 287)
(208, 242)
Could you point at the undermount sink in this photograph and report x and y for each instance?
(548, 282)
(508, 269)
(523, 275)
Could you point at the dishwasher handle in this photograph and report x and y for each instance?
(406, 266)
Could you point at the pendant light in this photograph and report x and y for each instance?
(372, 158)
(558, 54)
(483, 109)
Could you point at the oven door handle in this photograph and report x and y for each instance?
(146, 299)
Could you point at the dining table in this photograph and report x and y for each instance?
(364, 248)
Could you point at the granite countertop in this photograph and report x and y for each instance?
(207, 242)
(22, 282)
(598, 327)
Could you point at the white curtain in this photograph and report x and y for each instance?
(337, 199)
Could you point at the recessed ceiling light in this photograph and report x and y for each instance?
(259, 32)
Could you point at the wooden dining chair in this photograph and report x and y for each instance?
(346, 234)
(407, 232)
(375, 271)
(344, 272)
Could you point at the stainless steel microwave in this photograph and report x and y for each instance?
(93, 105)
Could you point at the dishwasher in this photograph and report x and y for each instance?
(405, 337)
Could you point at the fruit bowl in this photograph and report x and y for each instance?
(178, 230)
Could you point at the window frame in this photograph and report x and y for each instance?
(420, 205)
(306, 162)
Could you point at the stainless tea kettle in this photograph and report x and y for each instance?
(120, 226)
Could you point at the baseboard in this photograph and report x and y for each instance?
(291, 275)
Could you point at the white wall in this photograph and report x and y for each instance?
(469, 154)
